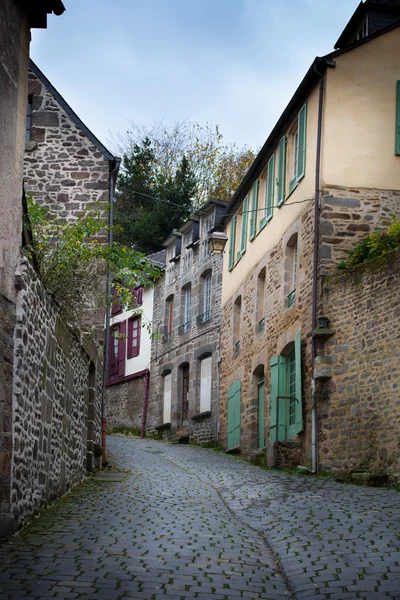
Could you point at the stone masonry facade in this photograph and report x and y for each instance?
(347, 216)
(359, 405)
(177, 350)
(56, 402)
(124, 403)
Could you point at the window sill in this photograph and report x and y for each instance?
(202, 415)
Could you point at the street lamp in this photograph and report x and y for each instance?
(217, 241)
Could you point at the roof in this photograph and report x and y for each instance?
(158, 258)
(37, 11)
(311, 78)
(380, 6)
(72, 115)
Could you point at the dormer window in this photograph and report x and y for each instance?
(206, 226)
(363, 31)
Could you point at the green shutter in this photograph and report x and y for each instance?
(245, 219)
(299, 404)
(397, 130)
(281, 170)
(254, 206)
(234, 415)
(302, 127)
(261, 416)
(278, 388)
(232, 234)
(270, 187)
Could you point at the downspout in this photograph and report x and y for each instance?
(145, 403)
(112, 182)
(314, 416)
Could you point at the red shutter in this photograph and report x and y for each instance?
(121, 349)
(116, 307)
(140, 296)
(113, 352)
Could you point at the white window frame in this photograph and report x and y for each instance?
(188, 305)
(205, 384)
(167, 398)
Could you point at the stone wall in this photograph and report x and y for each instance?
(186, 349)
(124, 403)
(56, 402)
(360, 406)
(14, 51)
(281, 326)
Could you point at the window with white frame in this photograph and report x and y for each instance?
(205, 305)
(291, 271)
(207, 225)
(186, 313)
(188, 305)
(205, 384)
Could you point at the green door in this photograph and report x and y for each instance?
(234, 415)
(261, 422)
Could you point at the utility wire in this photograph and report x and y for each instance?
(226, 214)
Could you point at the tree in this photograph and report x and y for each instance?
(184, 163)
(72, 262)
(150, 201)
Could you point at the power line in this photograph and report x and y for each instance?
(226, 214)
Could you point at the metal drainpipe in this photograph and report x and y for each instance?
(314, 418)
(145, 402)
(111, 188)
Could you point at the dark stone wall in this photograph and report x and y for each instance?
(124, 403)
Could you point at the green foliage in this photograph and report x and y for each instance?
(73, 260)
(144, 221)
(124, 430)
(374, 245)
(186, 164)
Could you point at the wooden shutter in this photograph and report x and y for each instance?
(245, 219)
(299, 403)
(302, 127)
(121, 349)
(270, 187)
(205, 384)
(281, 171)
(254, 206)
(134, 329)
(232, 235)
(278, 388)
(397, 130)
(234, 415)
(167, 399)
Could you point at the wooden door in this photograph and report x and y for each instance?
(261, 417)
(234, 415)
(185, 390)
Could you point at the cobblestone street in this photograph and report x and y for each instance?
(193, 523)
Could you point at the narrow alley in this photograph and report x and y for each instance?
(184, 522)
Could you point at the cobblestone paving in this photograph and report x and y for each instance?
(193, 523)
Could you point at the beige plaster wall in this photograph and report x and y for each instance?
(359, 116)
(283, 217)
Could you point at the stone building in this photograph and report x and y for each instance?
(183, 395)
(16, 21)
(127, 384)
(66, 168)
(328, 174)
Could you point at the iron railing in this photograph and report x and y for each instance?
(291, 299)
(261, 325)
(206, 316)
(184, 327)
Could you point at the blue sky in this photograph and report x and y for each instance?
(235, 63)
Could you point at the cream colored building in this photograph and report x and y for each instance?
(336, 147)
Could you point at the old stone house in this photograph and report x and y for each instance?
(128, 373)
(183, 395)
(328, 174)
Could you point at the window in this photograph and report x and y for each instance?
(137, 296)
(116, 306)
(291, 271)
(116, 353)
(206, 306)
(169, 317)
(187, 252)
(269, 191)
(254, 207)
(187, 310)
(260, 318)
(297, 137)
(207, 225)
(134, 329)
(28, 125)
(363, 30)
(237, 316)
(286, 394)
(205, 384)
(232, 241)
(170, 267)
(167, 399)
(234, 415)
(397, 129)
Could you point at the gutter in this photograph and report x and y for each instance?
(112, 181)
